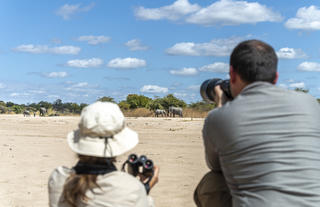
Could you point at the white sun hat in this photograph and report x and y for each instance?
(102, 132)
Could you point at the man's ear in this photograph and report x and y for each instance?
(232, 75)
(276, 78)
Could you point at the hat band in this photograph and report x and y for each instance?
(89, 133)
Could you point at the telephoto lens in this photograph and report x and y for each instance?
(207, 89)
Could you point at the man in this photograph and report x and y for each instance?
(265, 143)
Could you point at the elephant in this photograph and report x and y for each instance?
(26, 113)
(43, 111)
(173, 111)
(160, 112)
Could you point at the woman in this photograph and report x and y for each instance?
(94, 181)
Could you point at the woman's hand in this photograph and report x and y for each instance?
(154, 179)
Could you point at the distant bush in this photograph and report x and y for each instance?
(124, 105)
(202, 106)
(106, 99)
(17, 109)
(137, 101)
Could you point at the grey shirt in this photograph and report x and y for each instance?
(267, 144)
(117, 189)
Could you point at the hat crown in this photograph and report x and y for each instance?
(101, 119)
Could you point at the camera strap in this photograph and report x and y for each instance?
(94, 169)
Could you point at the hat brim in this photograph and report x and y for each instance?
(119, 144)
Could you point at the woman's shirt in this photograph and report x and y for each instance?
(117, 189)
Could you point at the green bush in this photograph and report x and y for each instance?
(137, 101)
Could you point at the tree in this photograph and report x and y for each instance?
(301, 90)
(137, 101)
(75, 108)
(82, 105)
(171, 100)
(124, 105)
(17, 109)
(106, 99)
(202, 106)
(9, 104)
(155, 104)
(3, 109)
(35, 106)
(45, 104)
(2, 103)
(57, 105)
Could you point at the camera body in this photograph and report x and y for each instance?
(207, 89)
(139, 165)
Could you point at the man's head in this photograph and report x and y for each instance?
(252, 61)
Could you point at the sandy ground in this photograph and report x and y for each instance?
(31, 147)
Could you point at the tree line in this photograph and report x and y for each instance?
(132, 102)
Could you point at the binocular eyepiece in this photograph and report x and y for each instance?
(207, 89)
(135, 164)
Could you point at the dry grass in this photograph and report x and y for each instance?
(139, 112)
(188, 112)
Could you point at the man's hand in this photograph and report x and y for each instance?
(220, 98)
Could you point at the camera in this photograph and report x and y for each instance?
(207, 89)
(139, 165)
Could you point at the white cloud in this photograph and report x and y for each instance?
(40, 49)
(37, 91)
(71, 50)
(180, 95)
(194, 87)
(174, 11)
(53, 96)
(153, 89)
(307, 18)
(185, 72)
(67, 10)
(282, 85)
(136, 44)
(229, 12)
(297, 85)
(56, 41)
(216, 47)
(94, 40)
(56, 74)
(2, 85)
(125, 63)
(217, 67)
(290, 53)
(14, 94)
(85, 63)
(223, 12)
(309, 66)
(80, 85)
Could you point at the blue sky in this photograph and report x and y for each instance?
(79, 51)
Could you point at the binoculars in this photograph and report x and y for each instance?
(139, 165)
(207, 89)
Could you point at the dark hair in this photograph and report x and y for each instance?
(254, 60)
(76, 186)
